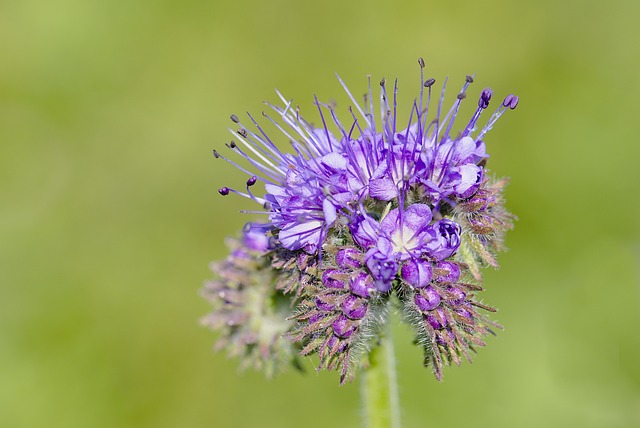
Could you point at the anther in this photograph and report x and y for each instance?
(429, 82)
(224, 191)
(234, 118)
(462, 95)
(233, 144)
(469, 79)
(485, 97)
(216, 154)
(242, 132)
(382, 82)
(252, 181)
(421, 62)
(510, 101)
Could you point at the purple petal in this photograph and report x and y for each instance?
(382, 189)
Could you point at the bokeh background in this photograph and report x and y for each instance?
(109, 213)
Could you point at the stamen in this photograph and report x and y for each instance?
(483, 103)
(344, 86)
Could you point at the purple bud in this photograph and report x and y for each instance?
(354, 307)
(437, 319)
(465, 314)
(224, 191)
(349, 258)
(416, 273)
(255, 236)
(361, 285)
(315, 318)
(252, 181)
(441, 340)
(343, 327)
(427, 299)
(457, 296)
(334, 340)
(452, 272)
(324, 306)
(447, 239)
(330, 278)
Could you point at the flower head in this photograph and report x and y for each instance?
(374, 210)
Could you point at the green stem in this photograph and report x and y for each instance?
(379, 387)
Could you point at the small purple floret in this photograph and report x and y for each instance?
(349, 258)
(329, 279)
(462, 312)
(342, 327)
(452, 269)
(457, 296)
(361, 285)
(324, 306)
(315, 318)
(437, 319)
(447, 239)
(441, 340)
(416, 272)
(255, 236)
(354, 307)
(428, 299)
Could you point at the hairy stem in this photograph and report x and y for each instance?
(379, 387)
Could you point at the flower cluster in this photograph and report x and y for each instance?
(363, 222)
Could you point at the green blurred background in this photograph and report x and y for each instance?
(109, 212)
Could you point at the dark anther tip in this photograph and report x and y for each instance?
(234, 118)
(462, 95)
(224, 191)
(421, 62)
(429, 82)
(216, 154)
(233, 144)
(252, 181)
(242, 132)
(382, 82)
(469, 79)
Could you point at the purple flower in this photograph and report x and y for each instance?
(360, 209)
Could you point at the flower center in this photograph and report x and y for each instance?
(403, 240)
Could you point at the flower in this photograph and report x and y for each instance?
(372, 211)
